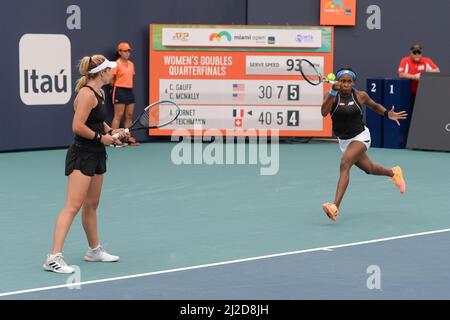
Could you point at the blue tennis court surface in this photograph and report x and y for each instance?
(220, 232)
(409, 268)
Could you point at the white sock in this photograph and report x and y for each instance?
(51, 256)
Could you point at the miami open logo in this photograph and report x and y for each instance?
(335, 3)
(337, 6)
(219, 36)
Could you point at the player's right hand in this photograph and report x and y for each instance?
(107, 140)
(336, 86)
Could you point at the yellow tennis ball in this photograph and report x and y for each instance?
(331, 77)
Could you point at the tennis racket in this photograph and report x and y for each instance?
(169, 112)
(311, 73)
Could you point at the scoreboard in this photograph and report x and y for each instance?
(239, 78)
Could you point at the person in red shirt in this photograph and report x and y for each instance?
(412, 66)
(123, 95)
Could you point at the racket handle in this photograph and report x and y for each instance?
(117, 134)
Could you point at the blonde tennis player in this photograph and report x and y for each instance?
(86, 163)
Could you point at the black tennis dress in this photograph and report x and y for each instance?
(86, 155)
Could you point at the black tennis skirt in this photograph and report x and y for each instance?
(123, 95)
(86, 159)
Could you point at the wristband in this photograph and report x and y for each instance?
(97, 137)
(386, 114)
(333, 93)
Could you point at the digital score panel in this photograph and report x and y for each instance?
(240, 78)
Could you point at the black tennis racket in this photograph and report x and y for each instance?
(311, 73)
(169, 112)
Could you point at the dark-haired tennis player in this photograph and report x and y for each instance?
(86, 163)
(344, 103)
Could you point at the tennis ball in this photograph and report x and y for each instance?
(331, 77)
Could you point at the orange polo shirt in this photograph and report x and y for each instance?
(124, 74)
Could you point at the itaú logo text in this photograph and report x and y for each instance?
(45, 69)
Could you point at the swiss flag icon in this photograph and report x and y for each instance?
(238, 123)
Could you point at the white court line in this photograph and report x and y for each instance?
(327, 248)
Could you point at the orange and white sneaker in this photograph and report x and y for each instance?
(398, 179)
(331, 210)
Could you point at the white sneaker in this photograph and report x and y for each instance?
(99, 254)
(56, 263)
(124, 144)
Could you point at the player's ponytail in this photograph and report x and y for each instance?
(86, 64)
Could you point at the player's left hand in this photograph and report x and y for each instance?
(395, 116)
(122, 133)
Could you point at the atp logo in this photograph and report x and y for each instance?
(218, 36)
(335, 3)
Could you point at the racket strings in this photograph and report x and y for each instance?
(144, 119)
(168, 112)
(172, 112)
(310, 72)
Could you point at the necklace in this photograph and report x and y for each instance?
(96, 91)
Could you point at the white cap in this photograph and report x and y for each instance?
(105, 64)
